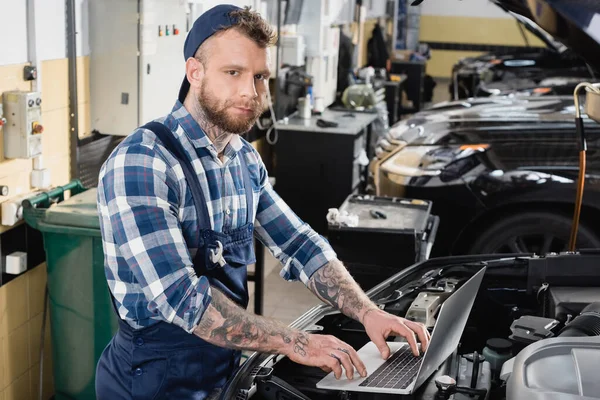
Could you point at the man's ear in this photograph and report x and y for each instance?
(194, 70)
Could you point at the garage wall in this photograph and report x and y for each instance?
(53, 70)
(456, 29)
(21, 299)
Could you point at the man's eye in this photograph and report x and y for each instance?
(233, 73)
(260, 77)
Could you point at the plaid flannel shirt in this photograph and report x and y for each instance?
(150, 228)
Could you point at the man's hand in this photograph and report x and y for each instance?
(227, 325)
(326, 352)
(334, 285)
(379, 325)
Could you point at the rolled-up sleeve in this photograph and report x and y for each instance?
(299, 248)
(142, 198)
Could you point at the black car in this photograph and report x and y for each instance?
(535, 71)
(501, 173)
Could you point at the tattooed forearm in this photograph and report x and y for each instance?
(226, 324)
(336, 287)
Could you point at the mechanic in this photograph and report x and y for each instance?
(178, 200)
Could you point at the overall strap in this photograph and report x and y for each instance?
(172, 144)
(247, 188)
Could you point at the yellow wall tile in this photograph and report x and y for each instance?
(11, 78)
(2, 361)
(497, 31)
(3, 330)
(55, 139)
(85, 119)
(37, 289)
(16, 357)
(58, 173)
(20, 389)
(34, 375)
(441, 62)
(83, 80)
(35, 327)
(55, 88)
(16, 311)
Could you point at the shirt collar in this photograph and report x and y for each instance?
(196, 134)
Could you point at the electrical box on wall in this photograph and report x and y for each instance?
(2, 119)
(23, 127)
(136, 63)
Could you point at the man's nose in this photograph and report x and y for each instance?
(249, 88)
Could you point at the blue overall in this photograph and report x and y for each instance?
(163, 361)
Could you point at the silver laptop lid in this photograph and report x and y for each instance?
(449, 327)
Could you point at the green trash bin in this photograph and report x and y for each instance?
(81, 314)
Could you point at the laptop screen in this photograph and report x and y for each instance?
(449, 326)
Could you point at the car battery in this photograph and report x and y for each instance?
(392, 233)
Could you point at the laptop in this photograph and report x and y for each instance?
(402, 372)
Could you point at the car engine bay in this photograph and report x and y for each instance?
(531, 316)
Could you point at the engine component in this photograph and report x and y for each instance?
(448, 386)
(563, 368)
(274, 388)
(424, 308)
(585, 324)
(571, 356)
(497, 351)
(476, 378)
(445, 383)
(529, 329)
(565, 301)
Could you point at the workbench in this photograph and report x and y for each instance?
(316, 168)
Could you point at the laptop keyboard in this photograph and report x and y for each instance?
(397, 372)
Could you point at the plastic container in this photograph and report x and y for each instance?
(81, 315)
(497, 351)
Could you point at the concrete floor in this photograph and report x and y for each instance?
(286, 301)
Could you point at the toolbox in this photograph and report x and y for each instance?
(392, 233)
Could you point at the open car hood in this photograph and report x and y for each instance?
(538, 32)
(575, 23)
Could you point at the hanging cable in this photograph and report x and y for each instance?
(272, 128)
(582, 161)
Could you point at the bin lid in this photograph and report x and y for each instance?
(79, 211)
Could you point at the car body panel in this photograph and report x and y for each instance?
(478, 155)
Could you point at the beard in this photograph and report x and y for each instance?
(216, 112)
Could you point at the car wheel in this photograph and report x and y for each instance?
(532, 232)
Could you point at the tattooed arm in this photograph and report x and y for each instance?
(335, 286)
(225, 324)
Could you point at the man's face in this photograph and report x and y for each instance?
(234, 84)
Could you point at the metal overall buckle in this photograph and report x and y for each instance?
(216, 255)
